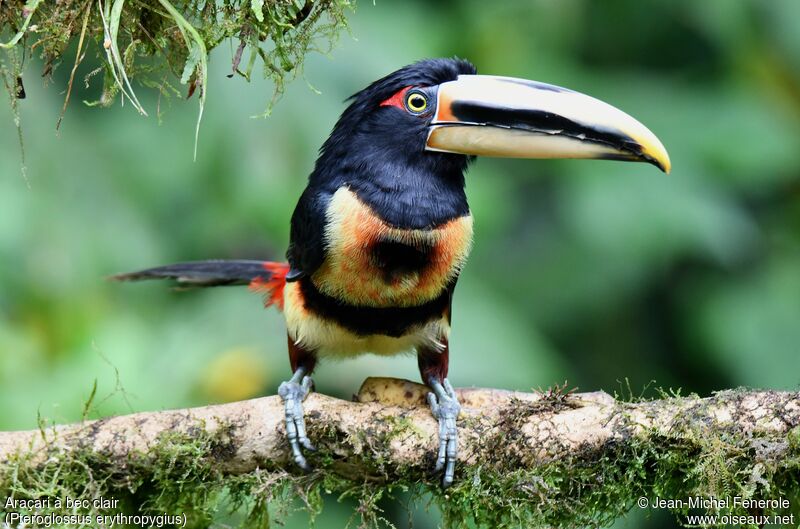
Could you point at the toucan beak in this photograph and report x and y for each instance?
(503, 116)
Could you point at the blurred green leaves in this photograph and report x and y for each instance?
(587, 271)
(565, 252)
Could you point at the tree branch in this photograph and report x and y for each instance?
(389, 435)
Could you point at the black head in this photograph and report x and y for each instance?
(385, 127)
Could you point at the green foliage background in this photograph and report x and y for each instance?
(605, 274)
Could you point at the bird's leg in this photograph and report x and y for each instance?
(444, 406)
(293, 392)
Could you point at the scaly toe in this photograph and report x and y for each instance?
(293, 393)
(445, 407)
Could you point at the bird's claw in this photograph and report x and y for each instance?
(445, 407)
(293, 393)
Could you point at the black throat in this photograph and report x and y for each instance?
(406, 186)
(411, 197)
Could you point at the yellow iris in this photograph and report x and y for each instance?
(416, 102)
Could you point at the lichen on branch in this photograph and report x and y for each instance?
(527, 459)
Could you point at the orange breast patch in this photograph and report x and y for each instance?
(350, 271)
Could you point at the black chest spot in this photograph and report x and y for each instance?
(397, 260)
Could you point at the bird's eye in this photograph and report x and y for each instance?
(416, 102)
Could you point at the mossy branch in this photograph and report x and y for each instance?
(554, 458)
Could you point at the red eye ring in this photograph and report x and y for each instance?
(397, 100)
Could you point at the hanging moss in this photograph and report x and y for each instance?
(156, 44)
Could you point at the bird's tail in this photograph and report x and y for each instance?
(266, 277)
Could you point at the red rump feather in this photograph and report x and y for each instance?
(397, 99)
(272, 287)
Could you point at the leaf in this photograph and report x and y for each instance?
(198, 58)
(192, 60)
(111, 21)
(258, 9)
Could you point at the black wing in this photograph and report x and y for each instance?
(307, 237)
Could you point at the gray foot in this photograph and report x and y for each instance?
(445, 407)
(293, 392)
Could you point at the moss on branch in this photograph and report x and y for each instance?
(529, 460)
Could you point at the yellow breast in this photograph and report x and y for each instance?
(352, 272)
